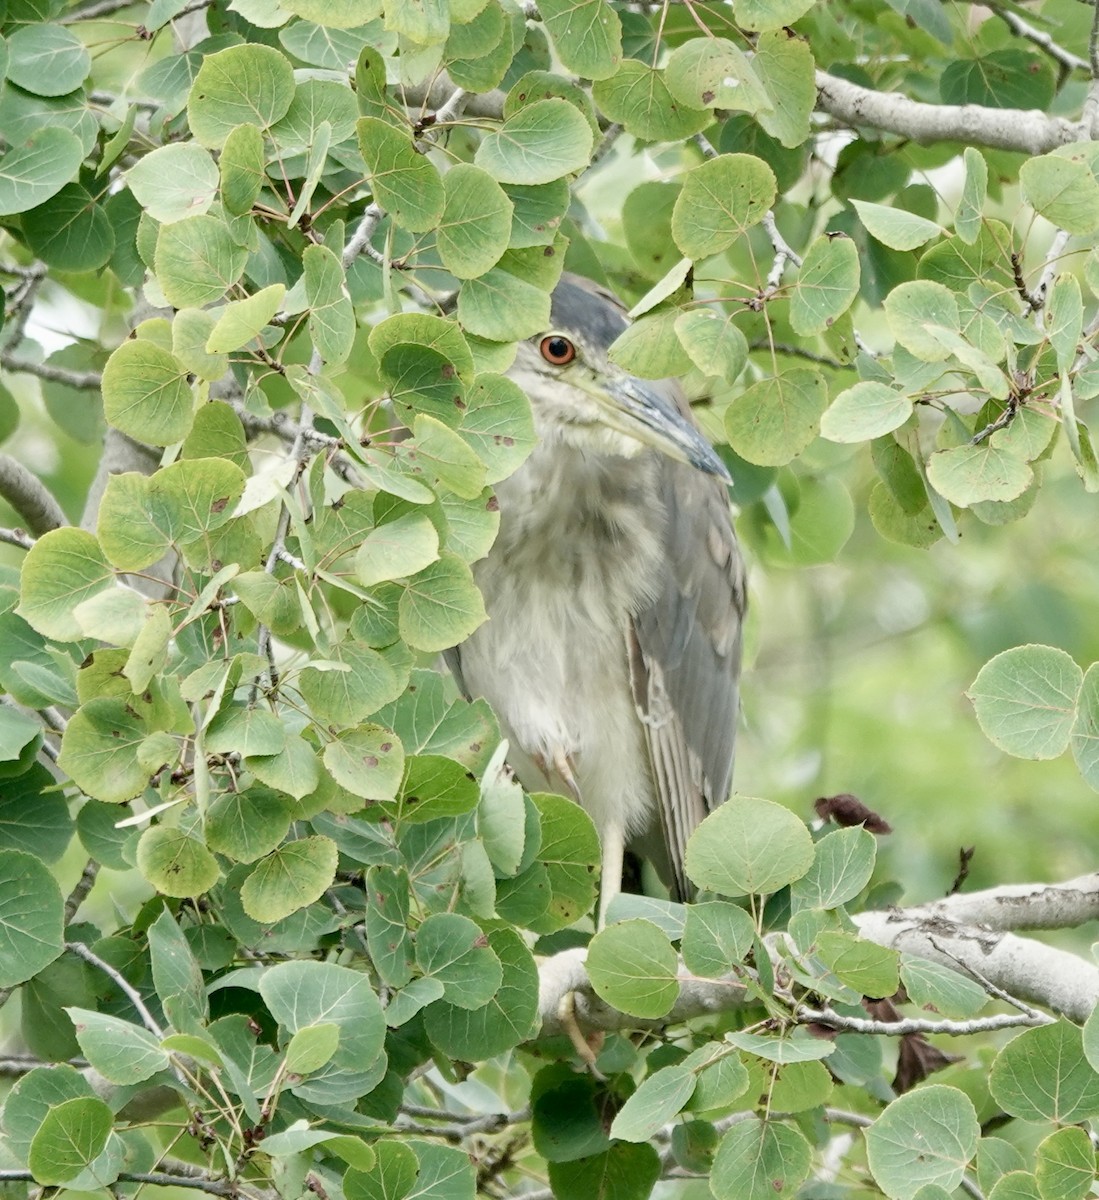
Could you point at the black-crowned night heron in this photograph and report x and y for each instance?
(615, 594)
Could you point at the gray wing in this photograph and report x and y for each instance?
(685, 651)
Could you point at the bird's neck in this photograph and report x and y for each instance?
(575, 517)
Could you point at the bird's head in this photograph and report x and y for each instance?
(582, 399)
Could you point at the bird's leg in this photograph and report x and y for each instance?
(563, 768)
(613, 840)
(566, 1013)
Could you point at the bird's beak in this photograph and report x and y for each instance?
(638, 410)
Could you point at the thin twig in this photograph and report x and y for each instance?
(16, 537)
(834, 1020)
(1023, 29)
(131, 993)
(784, 253)
(216, 1187)
(80, 892)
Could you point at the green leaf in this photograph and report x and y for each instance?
(1064, 1165)
(304, 994)
(31, 917)
(926, 1136)
(714, 344)
(296, 874)
(71, 1137)
(843, 862)
(240, 169)
(349, 696)
(716, 938)
(540, 143)
(784, 66)
(176, 974)
(865, 411)
(968, 217)
(246, 825)
(406, 184)
(720, 1078)
(1063, 190)
(789, 1087)
(569, 853)
(633, 967)
(241, 321)
(391, 1178)
(1008, 78)
(781, 1049)
(70, 231)
(99, 750)
(939, 989)
(33, 816)
(968, 474)
(245, 730)
(445, 456)
(435, 786)
(507, 1020)
(476, 221)
(293, 770)
(827, 284)
(331, 317)
(774, 420)
(197, 261)
(146, 394)
(759, 1160)
(309, 1050)
(119, 1050)
(586, 34)
(176, 181)
(624, 1171)
(367, 760)
(654, 1104)
(650, 347)
(1025, 700)
(1085, 729)
(894, 227)
(397, 549)
(47, 60)
(871, 970)
(1065, 318)
(759, 15)
(749, 846)
(440, 606)
(721, 199)
(424, 24)
(916, 311)
(174, 863)
(388, 890)
(62, 569)
(506, 304)
(638, 99)
(452, 949)
(34, 171)
(244, 84)
(711, 72)
(1014, 1185)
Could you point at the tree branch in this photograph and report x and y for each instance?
(1016, 906)
(1036, 973)
(1029, 132)
(30, 497)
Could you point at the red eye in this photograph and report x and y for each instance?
(557, 350)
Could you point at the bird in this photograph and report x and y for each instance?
(615, 594)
